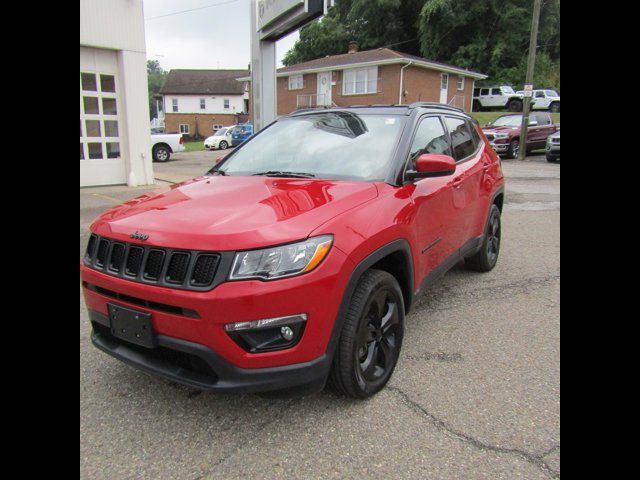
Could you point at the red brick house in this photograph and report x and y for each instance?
(199, 102)
(381, 76)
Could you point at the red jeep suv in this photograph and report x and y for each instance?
(294, 260)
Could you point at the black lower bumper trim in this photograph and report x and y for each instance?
(173, 360)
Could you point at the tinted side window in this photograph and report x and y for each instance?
(496, 91)
(430, 138)
(461, 139)
(543, 119)
(474, 134)
(484, 91)
(476, 92)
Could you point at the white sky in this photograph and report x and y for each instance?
(213, 37)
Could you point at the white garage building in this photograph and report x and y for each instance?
(114, 110)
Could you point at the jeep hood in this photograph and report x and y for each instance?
(233, 213)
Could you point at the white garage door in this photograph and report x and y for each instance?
(100, 120)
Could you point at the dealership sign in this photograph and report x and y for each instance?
(277, 18)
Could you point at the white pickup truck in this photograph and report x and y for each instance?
(164, 144)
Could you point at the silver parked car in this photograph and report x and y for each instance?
(553, 147)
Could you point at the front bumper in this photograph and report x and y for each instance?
(553, 148)
(500, 147)
(195, 320)
(199, 367)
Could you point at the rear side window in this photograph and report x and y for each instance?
(461, 139)
(476, 92)
(484, 91)
(431, 137)
(543, 119)
(474, 134)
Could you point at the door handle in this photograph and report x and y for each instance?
(457, 183)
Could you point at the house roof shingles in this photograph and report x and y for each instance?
(369, 56)
(217, 82)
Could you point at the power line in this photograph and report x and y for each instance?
(191, 10)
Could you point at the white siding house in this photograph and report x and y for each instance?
(115, 143)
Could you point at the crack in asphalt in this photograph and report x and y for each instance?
(497, 288)
(243, 444)
(537, 460)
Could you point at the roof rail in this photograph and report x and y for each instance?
(435, 105)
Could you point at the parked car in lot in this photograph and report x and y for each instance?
(501, 98)
(164, 144)
(240, 133)
(503, 133)
(220, 140)
(553, 147)
(294, 261)
(544, 100)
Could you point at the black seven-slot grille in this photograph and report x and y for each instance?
(167, 267)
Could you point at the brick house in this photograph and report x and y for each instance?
(199, 102)
(381, 76)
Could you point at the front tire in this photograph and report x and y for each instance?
(487, 257)
(515, 106)
(222, 145)
(555, 107)
(161, 154)
(514, 148)
(371, 337)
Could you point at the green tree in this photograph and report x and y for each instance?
(156, 76)
(489, 36)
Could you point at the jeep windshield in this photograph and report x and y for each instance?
(331, 145)
(507, 121)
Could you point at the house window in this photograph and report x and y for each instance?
(184, 128)
(460, 83)
(217, 127)
(99, 123)
(296, 82)
(203, 103)
(359, 81)
(174, 104)
(226, 104)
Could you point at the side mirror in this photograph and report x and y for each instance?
(432, 165)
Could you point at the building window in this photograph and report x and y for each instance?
(217, 127)
(226, 104)
(99, 123)
(203, 104)
(184, 128)
(296, 82)
(174, 105)
(360, 81)
(460, 83)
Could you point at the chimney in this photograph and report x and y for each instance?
(353, 47)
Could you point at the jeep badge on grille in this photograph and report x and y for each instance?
(139, 236)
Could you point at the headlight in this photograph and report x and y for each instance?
(282, 261)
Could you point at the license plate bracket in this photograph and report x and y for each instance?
(131, 325)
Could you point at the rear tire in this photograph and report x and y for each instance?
(161, 154)
(371, 337)
(487, 257)
(514, 106)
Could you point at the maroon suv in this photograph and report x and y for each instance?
(503, 133)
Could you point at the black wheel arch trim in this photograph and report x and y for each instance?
(400, 245)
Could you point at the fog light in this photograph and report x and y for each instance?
(286, 333)
(266, 323)
(268, 334)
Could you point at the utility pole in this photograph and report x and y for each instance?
(531, 63)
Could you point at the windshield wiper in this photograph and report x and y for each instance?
(277, 173)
